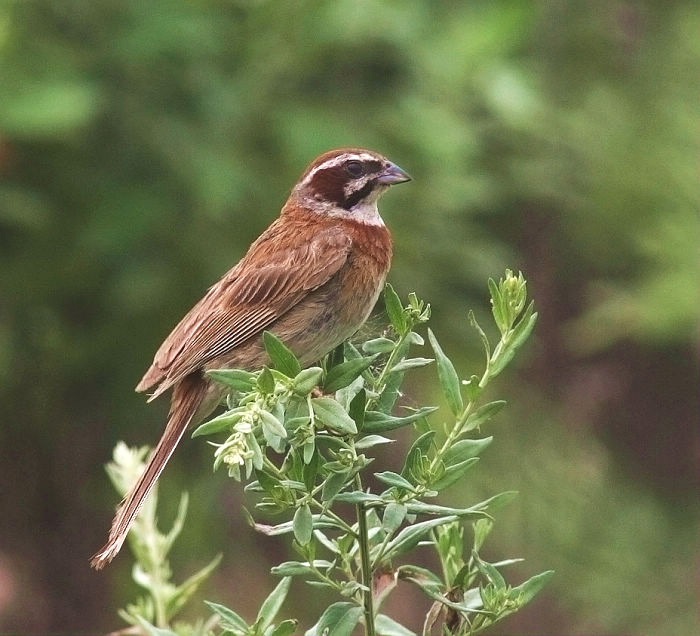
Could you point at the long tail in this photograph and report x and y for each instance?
(188, 395)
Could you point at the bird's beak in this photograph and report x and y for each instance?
(393, 174)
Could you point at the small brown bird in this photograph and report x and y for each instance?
(312, 278)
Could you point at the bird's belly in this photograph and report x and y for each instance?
(324, 319)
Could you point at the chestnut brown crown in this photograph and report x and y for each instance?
(347, 182)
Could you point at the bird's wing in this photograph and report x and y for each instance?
(276, 273)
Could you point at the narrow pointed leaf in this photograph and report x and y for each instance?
(266, 381)
(533, 585)
(465, 449)
(449, 381)
(285, 628)
(272, 426)
(281, 356)
(453, 473)
(393, 517)
(411, 363)
(378, 345)
(333, 485)
(333, 416)
(307, 379)
(392, 479)
(357, 496)
(223, 422)
(394, 309)
(387, 626)
(378, 422)
(409, 537)
(339, 619)
(187, 588)
(346, 372)
(228, 619)
(297, 568)
(372, 440)
(272, 604)
(483, 414)
(303, 524)
(420, 508)
(234, 378)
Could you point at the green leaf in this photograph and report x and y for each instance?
(333, 416)
(472, 388)
(236, 379)
(306, 380)
(409, 537)
(393, 517)
(272, 604)
(358, 496)
(517, 338)
(394, 480)
(499, 315)
(420, 574)
(453, 473)
(187, 588)
(524, 328)
(415, 339)
(497, 501)
(378, 422)
(480, 331)
(297, 568)
(465, 449)
(266, 381)
(339, 619)
(372, 440)
(356, 409)
(394, 309)
(532, 586)
(449, 381)
(271, 426)
(223, 422)
(310, 469)
(228, 619)
(319, 521)
(411, 363)
(489, 572)
(281, 356)
(344, 373)
(333, 485)
(378, 345)
(285, 628)
(392, 383)
(420, 508)
(387, 626)
(419, 447)
(483, 414)
(303, 524)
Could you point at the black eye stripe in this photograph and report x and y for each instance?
(360, 194)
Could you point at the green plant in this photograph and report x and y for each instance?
(301, 438)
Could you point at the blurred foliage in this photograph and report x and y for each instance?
(143, 145)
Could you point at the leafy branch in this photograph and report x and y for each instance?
(302, 440)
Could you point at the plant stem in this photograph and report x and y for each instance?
(363, 540)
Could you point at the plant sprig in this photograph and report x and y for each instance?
(302, 440)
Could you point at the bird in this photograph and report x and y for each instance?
(311, 278)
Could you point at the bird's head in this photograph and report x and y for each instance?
(347, 183)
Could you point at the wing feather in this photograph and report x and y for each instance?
(277, 272)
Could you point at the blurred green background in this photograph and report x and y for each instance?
(143, 145)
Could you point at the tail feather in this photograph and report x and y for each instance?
(187, 397)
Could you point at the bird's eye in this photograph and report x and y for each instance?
(355, 168)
